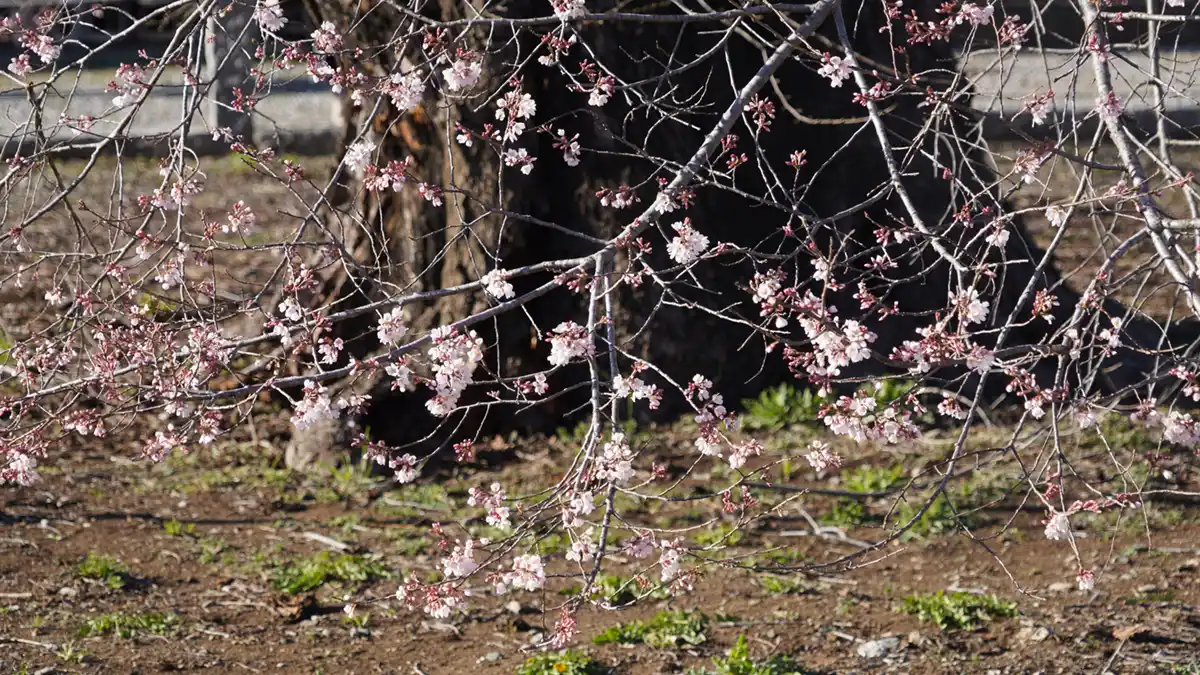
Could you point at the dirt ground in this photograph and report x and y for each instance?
(225, 558)
(207, 540)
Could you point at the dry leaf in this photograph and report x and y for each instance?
(1123, 634)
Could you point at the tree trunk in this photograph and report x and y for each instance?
(414, 246)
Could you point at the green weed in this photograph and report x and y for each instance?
(105, 569)
(617, 590)
(775, 585)
(666, 630)
(738, 662)
(70, 653)
(868, 479)
(6, 345)
(407, 542)
(958, 610)
(211, 550)
(348, 523)
(939, 519)
(316, 571)
(174, 528)
(786, 406)
(719, 534)
(570, 662)
(785, 557)
(126, 626)
(780, 407)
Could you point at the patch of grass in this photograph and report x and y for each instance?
(780, 407)
(183, 475)
(126, 626)
(358, 622)
(407, 542)
(415, 501)
(775, 585)
(174, 528)
(785, 556)
(555, 542)
(316, 571)
(1151, 516)
(574, 436)
(939, 519)
(1122, 432)
(846, 513)
(348, 523)
(787, 406)
(867, 479)
(958, 610)
(6, 345)
(346, 483)
(70, 653)
(738, 662)
(666, 630)
(721, 534)
(618, 590)
(570, 662)
(211, 550)
(156, 305)
(105, 569)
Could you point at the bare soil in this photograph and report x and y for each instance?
(205, 538)
(240, 519)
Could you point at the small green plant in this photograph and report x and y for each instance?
(407, 542)
(738, 662)
(155, 305)
(211, 550)
(70, 653)
(666, 630)
(850, 512)
(555, 542)
(775, 585)
(959, 609)
(939, 519)
(720, 534)
(357, 621)
(105, 569)
(575, 435)
(870, 479)
(174, 528)
(618, 590)
(780, 407)
(347, 483)
(889, 390)
(6, 346)
(126, 626)
(316, 571)
(347, 523)
(847, 513)
(785, 556)
(415, 500)
(785, 405)
(570, 662)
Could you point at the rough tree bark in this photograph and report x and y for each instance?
(417, 247)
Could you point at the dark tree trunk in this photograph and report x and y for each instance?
(418, 247)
